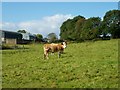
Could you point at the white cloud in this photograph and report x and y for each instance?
(8, 26)
(44, 26)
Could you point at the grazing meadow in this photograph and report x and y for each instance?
(82, 65)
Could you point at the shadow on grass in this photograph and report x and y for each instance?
(14, 50)
(12, 47)
(65, 55)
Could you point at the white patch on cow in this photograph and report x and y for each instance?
(64, 45)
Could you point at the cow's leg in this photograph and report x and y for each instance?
(47, 55)
(59, 54)
(44, 56)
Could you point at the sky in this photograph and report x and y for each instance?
(47, 17)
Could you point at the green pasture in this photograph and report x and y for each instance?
(83, 65)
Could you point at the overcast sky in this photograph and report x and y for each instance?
(47, 17)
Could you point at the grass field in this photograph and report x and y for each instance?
(83, 65)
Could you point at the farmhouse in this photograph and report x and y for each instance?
(27, 37)
(10, 37)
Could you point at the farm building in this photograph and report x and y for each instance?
(10, 37)
(28, 36)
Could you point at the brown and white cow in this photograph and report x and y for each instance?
(51, 48)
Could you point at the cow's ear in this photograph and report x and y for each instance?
(61, 43)
(66, 42)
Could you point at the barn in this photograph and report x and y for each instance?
(28, 37)
(10, 37)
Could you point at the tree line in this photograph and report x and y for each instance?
(79, 28)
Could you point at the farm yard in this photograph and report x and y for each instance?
(83, 65)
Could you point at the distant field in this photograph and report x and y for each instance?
(83, 65)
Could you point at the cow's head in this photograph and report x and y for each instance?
(64, 44)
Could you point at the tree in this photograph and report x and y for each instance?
(90, 28)
(39, 36)
(52, 37)
(111, 23)
(70, 29)
(22, 31)
(78, 28)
